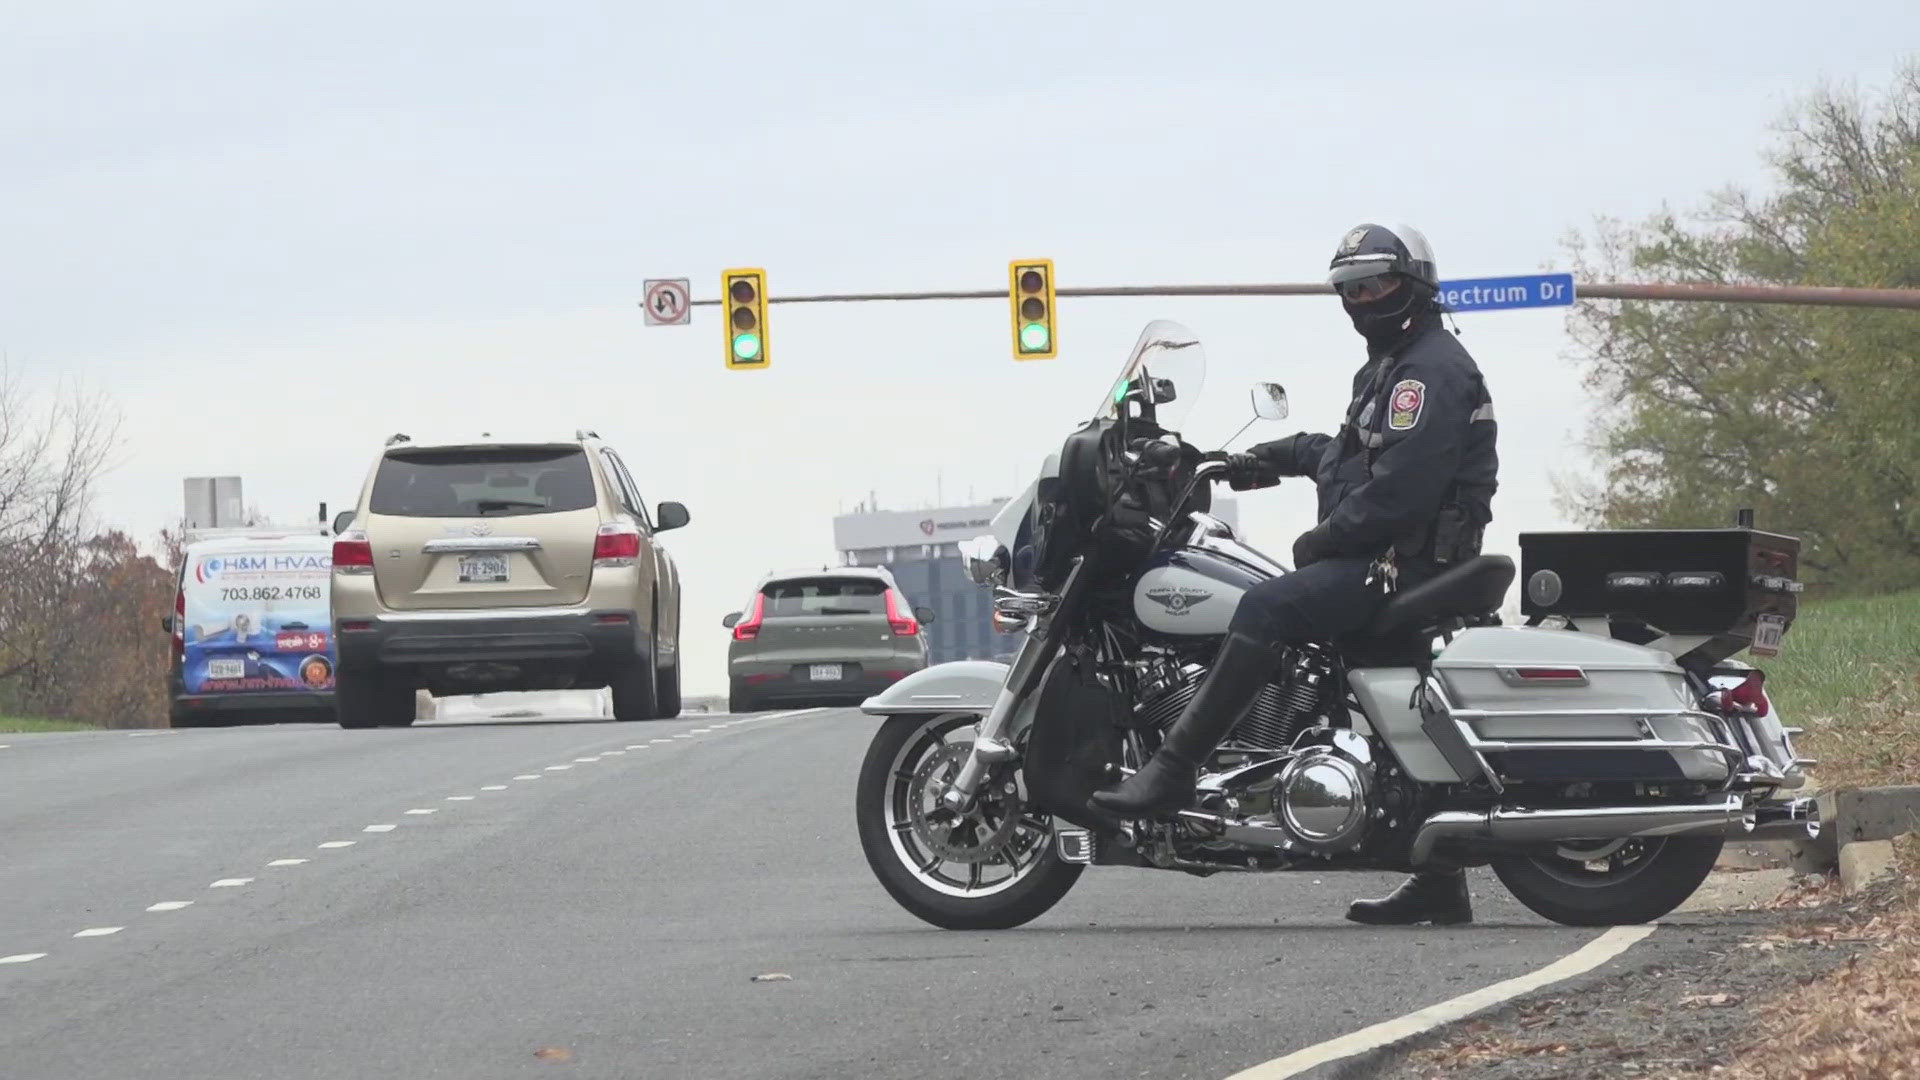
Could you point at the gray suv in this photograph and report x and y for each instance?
(823, 637)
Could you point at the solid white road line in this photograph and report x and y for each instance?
(1579, 962)
(420, 811)
(339, 843)
(230, 883)
(380, 828)
(21, 958)
(170, 905)
(100, 931)
(286, 862)
(493, 787)
(3, 746)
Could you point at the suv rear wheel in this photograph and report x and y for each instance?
(636, 685)
(369, 699)
(667, 681)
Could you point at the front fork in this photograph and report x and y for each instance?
(994, 742)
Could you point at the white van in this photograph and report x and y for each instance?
(252, 637)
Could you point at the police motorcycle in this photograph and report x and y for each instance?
(1596, 757)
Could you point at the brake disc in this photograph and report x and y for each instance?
(979, 834)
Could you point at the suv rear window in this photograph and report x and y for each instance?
(826, 596)
(491, 482)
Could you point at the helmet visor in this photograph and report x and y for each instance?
(1365, 277)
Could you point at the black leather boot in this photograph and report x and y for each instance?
(1166, 782)
(1437, 898)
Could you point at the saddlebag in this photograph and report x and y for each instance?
(1523, 698)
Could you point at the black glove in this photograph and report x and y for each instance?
(1278, 454)
(1248, 471)
(1311, 547)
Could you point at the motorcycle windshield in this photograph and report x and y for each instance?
(1168, 367)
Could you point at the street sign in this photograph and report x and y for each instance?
(1501, 293)
(668, 302)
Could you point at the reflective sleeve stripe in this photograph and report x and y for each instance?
(1484, 412)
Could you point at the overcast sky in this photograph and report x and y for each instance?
(278, 233)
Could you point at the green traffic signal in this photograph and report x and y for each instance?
(1033, 337)
(746, 346)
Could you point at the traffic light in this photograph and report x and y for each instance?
(1031, 291)
(744, 295)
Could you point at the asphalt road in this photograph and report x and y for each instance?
(608, 918)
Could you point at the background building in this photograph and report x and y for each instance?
(921, 549)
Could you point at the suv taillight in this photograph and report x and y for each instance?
(904, 624)
(353, 553)
(618, 544)
(180, 625)
(749, 628)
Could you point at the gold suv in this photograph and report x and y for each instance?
(486, 565)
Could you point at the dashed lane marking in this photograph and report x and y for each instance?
(460, 798)
(493, 787)
(339, 844)
(286, 862)
(420, 811)
(230, 883)
(100, 931)
(380, 828)
(558, 768)
(585, 760)
(21, 958)
(170, 905)
(528, 776)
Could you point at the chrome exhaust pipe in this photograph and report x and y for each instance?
(1512, 826)
(1794, 820)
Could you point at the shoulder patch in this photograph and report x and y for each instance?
(1408, 399)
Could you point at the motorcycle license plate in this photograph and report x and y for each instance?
(1767, 632)
(824, 673)
(483, 569)
(226, 669)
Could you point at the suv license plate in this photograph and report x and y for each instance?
(226, 669)
(824, 673)
(483, 569)
(1767, 632)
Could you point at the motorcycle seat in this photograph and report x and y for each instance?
(1472, 589)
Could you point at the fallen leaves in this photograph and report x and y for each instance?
(1712, 1001)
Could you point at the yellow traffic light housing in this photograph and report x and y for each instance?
(743, 294)
(1030, 287)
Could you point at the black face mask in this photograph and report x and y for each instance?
(1382, 321)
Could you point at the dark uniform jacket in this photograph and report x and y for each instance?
(1413, 467)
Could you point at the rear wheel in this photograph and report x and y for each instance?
(991, 868)
(667, 679)
(370, 699)
(636, 689)
(1610, 882)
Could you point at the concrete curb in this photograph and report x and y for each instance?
(1864, 862)
(1848, 817)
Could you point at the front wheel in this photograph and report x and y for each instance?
(1610, 883)
(992, 868)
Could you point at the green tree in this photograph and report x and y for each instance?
(1809, 415)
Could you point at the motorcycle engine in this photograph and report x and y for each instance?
(1286, 706)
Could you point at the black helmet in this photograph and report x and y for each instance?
(1369, 250)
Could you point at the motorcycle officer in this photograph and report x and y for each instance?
(1405, 491)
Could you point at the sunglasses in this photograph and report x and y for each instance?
(1361, 290)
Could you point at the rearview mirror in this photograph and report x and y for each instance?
(672, 516)
(730, 620)
(1269, 401)
(341, 520)
(924, 614)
